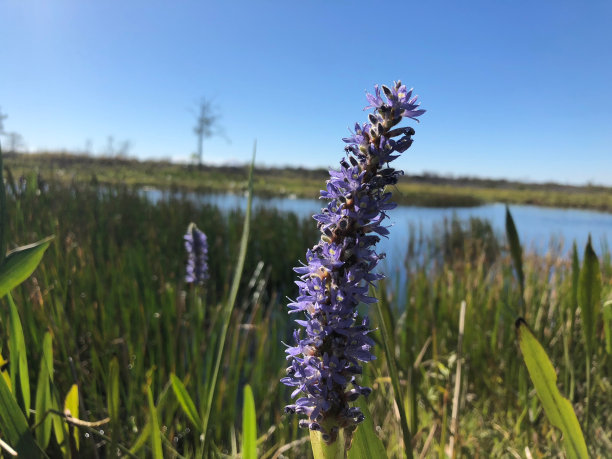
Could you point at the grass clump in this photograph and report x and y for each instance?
(110, 291)
(417, 190)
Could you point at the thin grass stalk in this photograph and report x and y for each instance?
(569, 366)
(230, 303)
(3, 214)
(397, 390)
(457, 390)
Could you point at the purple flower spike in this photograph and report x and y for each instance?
(197, 255)
(333, 340)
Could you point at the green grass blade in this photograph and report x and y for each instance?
(14, 425)
(589, 294)
(515, 250)
(60, 429)
(142, 438)
(186, 402)
(366, 443)
(3, 213)
(249, 425)
(558, 409)
(589, 298)
(575, 282)
(229, 307)
(20, 263)
(156, 442)
(393, 373)
(44, 401)
(145, 433)
(607, 315)
(5, 374)
(19, 356)
(112, 392)
(387, 313)
(71, 405)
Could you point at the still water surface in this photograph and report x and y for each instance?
(538, 227)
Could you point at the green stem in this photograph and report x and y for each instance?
(322, 450)
(588, 394)
(229, 307)
(397, 391)
(569, 370)
(3, 214)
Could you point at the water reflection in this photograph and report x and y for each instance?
(539, 228)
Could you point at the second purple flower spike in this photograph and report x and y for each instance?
(197, 255)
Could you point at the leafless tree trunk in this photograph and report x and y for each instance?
(206, 126)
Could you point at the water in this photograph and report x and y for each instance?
(539, 228)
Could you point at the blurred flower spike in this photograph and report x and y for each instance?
(333, 340)
(197, 255)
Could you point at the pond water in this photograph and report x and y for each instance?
(539, 228)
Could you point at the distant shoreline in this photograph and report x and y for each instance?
(421, 190)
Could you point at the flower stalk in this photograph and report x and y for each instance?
(196, 246)
(334, 340)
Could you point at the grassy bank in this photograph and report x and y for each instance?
(412, 190)
(111, 291)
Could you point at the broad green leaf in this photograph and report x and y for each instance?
(558, 409)
(156, 441)
(44, 401)
(366, 443)
(515, 249)
(589, 294)
(71, 402)
(19, 357)
(20, 263)
(71, 405)
(249, 425)
(14, 425)
(185, 401)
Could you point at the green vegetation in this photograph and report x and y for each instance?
(424, 190)
(108, 310)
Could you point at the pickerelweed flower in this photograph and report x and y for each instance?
(197, 255)
(340, 267)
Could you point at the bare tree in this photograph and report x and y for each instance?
(88, 147)
(115, 149)
(14, 142)
(123, 149)
(109, 151)
(206, 125)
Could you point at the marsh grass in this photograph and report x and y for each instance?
(111, 293)
(419, 190)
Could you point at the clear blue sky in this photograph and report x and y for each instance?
(514, 89)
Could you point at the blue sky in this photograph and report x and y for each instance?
(519, 90)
